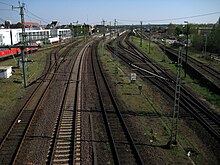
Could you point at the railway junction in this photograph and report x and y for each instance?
(116, 96)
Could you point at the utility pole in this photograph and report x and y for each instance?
(149, 39)
(116, 41)
(72, 31)
(103, 41)
(115, 28)
(116, 48)
(174, 126)
(21, 7)
(205, 44)
(23, 44)
(141, 35)
(187, 40)
(84, 31)
(110, 27)
(75, 29)
(103, 23)
(132, 35)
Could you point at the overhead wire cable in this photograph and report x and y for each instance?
(5, 3)
(39, 18)
(179, 18)
(171, 19)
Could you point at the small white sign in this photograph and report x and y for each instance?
(133, 77)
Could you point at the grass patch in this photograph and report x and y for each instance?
(13, 87)
(12, 90)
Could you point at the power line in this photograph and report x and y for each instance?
(35, 18)
(172, 19)
(126, 20)
(187, 17)
(5, 9)
(39, 18)
(5, 4)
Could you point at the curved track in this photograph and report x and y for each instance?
(164, 81)
(15, 136)
(208, 76)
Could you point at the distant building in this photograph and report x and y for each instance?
(52, 25)
(32, 25)
(204, 30)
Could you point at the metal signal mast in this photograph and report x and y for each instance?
(174, 127)
(21, 7)
(23, 44)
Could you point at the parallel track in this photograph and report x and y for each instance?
(206, 74)
(64, 147)
(188, 101)
(11, 143)
(122, 145)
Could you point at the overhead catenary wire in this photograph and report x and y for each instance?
(5, 4)
(187, 17)
(5, 9)
(171, 19)
(38, 17)
(35, 18)
(28, 13)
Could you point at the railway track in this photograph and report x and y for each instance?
(164, 82)
(13, 140)
(208, 76)
(122, 145)
(65, 143)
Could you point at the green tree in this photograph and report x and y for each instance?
(171, 28)
(214, 40)
(198, 41)
(179, 30)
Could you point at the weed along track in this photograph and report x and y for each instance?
(164, 81)
(207, 75)
(123, 148)
(80, 90)
(14, 139)
(86, 109)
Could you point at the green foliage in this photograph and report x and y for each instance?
(179, 30)
(18, 25)
(171, 28)
(214, 40)
(198, 42)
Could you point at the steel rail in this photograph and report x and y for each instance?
(24, 123)
(190, 106)
(108, 123)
